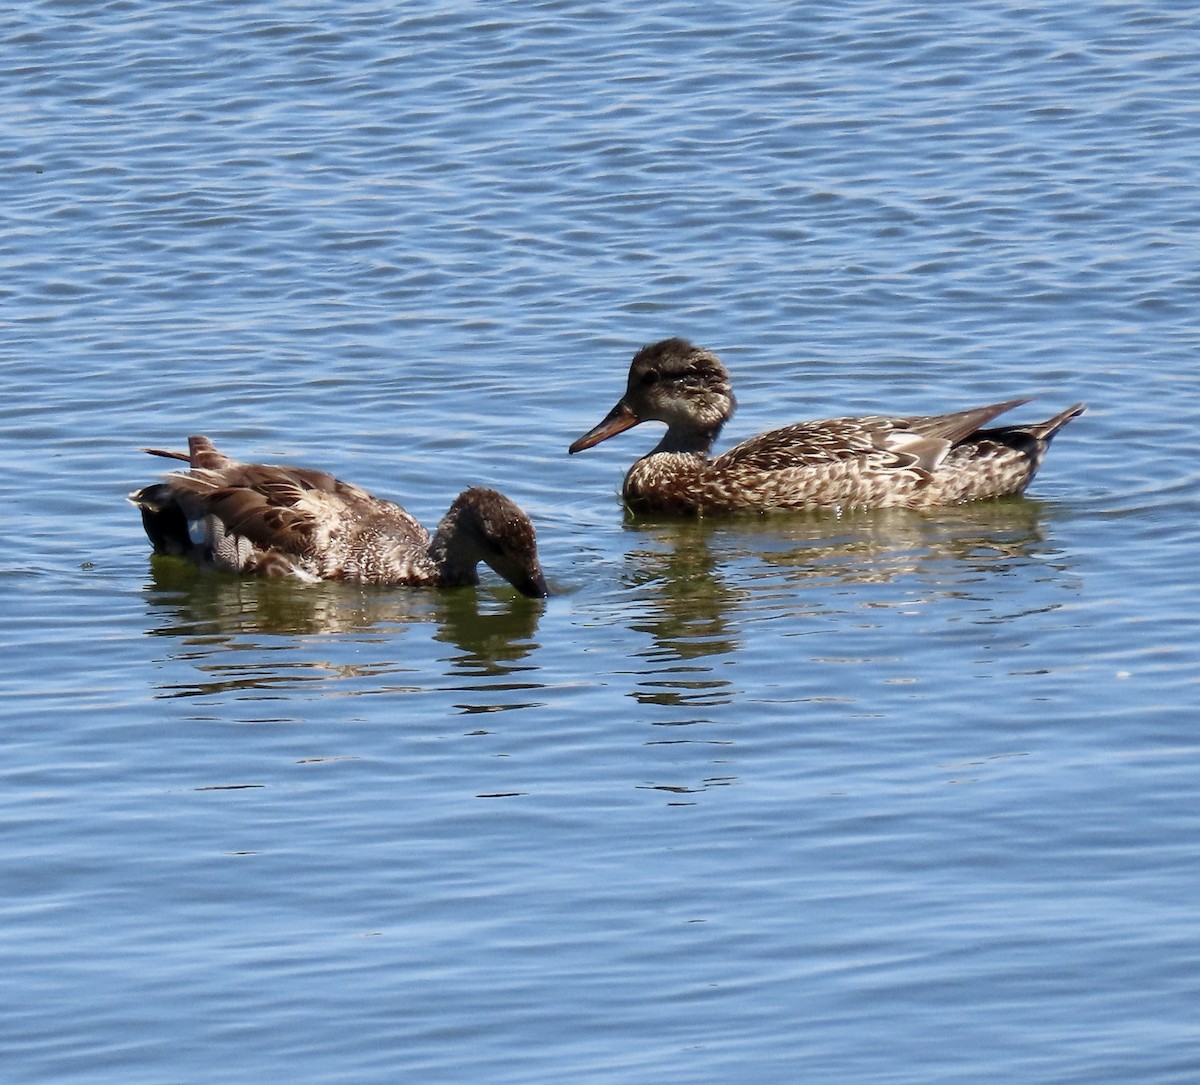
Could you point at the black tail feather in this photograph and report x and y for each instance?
(166, 525)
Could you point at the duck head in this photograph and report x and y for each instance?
(484, 525)
(674, 382)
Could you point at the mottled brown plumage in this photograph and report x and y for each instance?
(837, 463)
(292, 521)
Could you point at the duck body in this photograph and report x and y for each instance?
(276, 520)
(877, 461)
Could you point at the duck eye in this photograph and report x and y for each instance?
(650, 378)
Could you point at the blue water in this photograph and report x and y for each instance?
(891, 797)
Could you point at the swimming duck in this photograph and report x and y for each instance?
(836, 463)
(292, 521)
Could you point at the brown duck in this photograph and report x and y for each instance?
(836, 463)
(292, 521)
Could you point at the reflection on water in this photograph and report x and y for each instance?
(692, 603)
(857, 548)
(702, 599)
(706, 582)
(248, 635)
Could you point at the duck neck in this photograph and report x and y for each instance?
(688, 440)
(453, 551)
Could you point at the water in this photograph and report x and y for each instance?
(891, 797)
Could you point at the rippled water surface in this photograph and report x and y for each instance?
(887, 797)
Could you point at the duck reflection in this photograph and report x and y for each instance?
(691, 603)
(251, 634)
(945, 549)
(704, 582)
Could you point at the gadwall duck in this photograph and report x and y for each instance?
(292, 521)
(838, 463)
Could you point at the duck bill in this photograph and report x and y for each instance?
(619, 419)
(534, 587)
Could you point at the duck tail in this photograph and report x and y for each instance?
(165, 523)
(1044, 431)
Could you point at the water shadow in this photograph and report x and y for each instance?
(705, 583)
(253, 636)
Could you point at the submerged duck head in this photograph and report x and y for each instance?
(484, 525)
(675, 382)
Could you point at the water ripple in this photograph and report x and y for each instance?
(743, 799)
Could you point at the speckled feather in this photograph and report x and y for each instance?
(309, 525)
(870, 462)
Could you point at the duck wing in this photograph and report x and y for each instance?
(921, 441)
(203, 454)
(294, 510)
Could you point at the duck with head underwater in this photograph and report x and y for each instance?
(291, 521)
(876, 461)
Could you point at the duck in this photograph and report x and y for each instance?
(841, 464)
(295, 522)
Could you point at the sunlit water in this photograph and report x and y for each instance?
(888, 797)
